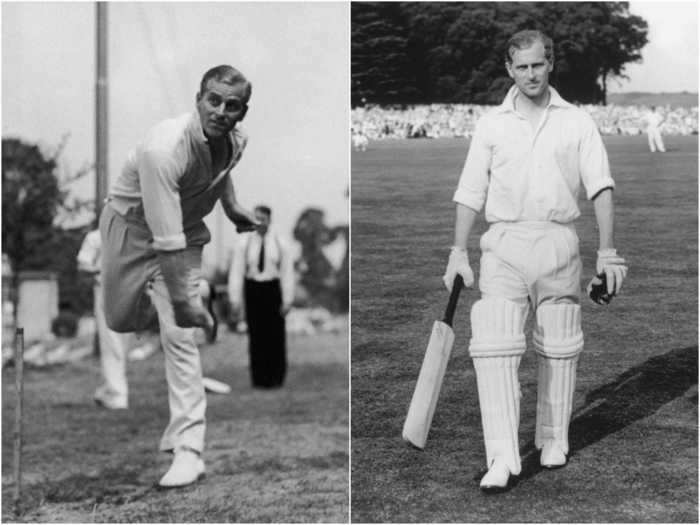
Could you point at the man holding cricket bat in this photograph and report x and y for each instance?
(153, 232)
(526, 163)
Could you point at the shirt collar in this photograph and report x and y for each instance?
(197, 131)
(508, 103)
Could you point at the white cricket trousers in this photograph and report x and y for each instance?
(133, 284)
(538, 260)
(655, 140)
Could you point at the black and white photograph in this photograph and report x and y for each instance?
(175, 241)
(524, 258)
(349, 262)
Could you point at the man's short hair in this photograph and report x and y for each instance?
(228, 75)
(525, 39)
(264, 209)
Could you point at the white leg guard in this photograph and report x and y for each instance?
(558, 341)
(496, 346)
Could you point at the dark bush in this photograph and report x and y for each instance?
(65, 324)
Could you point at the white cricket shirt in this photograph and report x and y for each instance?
(278, 263)
(524, 174)
(653, 119)
(171, 174)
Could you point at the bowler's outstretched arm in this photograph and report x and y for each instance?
(244, 219)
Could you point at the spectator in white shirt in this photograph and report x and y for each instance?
(262, 275)
(526, 162)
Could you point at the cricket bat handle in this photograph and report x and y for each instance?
(452, 302)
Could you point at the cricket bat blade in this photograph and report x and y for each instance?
(425, 395)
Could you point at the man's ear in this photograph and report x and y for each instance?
(509, 69)
(198, 97)
(245, 110)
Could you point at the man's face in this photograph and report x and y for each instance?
(220, 107)
(264, 220)
(530, 70)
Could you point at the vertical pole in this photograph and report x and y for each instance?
(19, 391)
(102, 177)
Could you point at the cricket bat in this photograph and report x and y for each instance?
(425, 395)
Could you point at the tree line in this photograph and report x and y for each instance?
(428, 52)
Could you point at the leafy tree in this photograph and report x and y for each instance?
(325, 285)
(455, 51)
(33, 199)
(381, 71)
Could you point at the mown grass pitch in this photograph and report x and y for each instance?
(272, 456)
(634, 432)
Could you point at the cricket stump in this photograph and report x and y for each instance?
(19, 391)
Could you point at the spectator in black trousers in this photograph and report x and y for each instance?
(262, 275)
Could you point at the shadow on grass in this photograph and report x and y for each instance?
(634, 395)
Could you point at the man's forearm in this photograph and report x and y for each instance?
(187, 307)
(230, 206)
(463, 225)
(604, 214)
(229, 202)
(174, 269)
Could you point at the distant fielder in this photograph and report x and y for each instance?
(152, 235)
(526, 162)
(654, 119)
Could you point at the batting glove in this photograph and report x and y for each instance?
(458, 263)
(614, 268)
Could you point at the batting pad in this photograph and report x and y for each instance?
(558, 331)
(497, 328)
(499, 401)
(558, 340)
(496, 348)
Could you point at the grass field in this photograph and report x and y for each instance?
(272, 456)
(634, 432)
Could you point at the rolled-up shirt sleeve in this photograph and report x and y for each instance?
(593, 160)
(474, 181)
(159, 178)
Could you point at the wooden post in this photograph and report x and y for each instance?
(101, 107)
(19, 391)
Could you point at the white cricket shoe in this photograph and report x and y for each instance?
(187, 467)
(552, 455)
(110, 402)
(496, 479)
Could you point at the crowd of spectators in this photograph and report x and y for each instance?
(458, 120)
